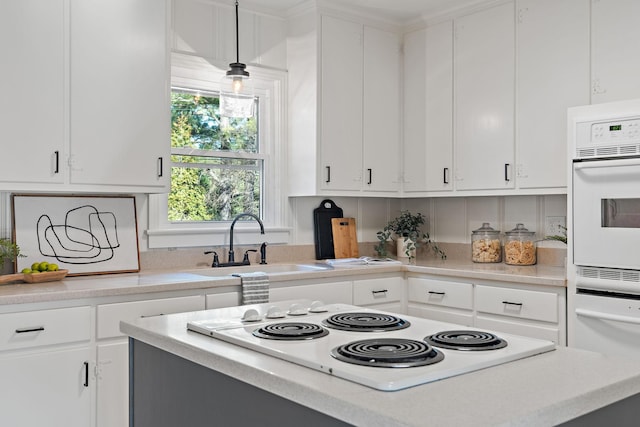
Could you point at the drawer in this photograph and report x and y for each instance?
(519, 303)
(110, 315)
(377, 291)
(44, 327)
(441, 293)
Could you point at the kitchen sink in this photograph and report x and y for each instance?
(270, 269)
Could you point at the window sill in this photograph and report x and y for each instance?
(198, 237)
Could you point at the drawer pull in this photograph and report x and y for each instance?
(383, 291)
(436, 293)
(143, 316)
(27, 330)
(519, 304)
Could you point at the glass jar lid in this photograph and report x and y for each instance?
(486, 229)
(520, 231)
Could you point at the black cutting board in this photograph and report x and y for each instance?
(323, 230)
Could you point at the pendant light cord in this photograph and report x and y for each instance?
(237, 36)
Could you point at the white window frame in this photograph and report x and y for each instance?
(270, 86)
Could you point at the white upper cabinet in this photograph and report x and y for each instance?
(381, 111)
(414, 146)
(85, 103)
(341, 104)
(439, 107)
(32, 84)
(344, 125)
(120, 123)
(615, 31)
(428, 114)
(552, 75)
(484, 87)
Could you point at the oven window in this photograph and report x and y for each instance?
(621, 213)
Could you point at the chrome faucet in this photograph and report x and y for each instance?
(231, 259)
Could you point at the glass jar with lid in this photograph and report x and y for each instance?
(520, 246)
(485, 244)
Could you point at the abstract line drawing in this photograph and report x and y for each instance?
(87, 236)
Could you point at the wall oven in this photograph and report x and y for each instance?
(603, 256)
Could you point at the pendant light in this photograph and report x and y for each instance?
(236, 92)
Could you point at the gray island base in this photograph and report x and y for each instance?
(169, 391)
(183, 378)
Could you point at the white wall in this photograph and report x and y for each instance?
(450, 219)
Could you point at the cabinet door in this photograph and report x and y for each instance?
(32, 84)
(341, 105)
(553, 74)
(414, 148)
(51, 388)
(615, 59)
(484, 60)
(113, 384)
(381, 110)
(120, 124)
(439, 107)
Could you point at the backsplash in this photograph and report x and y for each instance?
(195, 258)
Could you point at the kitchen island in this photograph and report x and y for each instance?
(183, 377)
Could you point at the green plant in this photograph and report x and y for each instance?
(407, 226)
(9, 251)
(562, 238)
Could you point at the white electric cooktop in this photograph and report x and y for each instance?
(401, 357)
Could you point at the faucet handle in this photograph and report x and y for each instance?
(216, 260)
(245, 259)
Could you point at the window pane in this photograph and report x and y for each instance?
(214, 194)
(212, 183)
(198, 118)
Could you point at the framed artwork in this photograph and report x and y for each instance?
(83, 234)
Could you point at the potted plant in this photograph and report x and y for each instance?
(405, 230)
(9, 251)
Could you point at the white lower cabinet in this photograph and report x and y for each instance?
(442, 300)
(223, 299)
(515, 308)
(538, 313)
(45, 363)
(112, 355)
(380, 293)
(332, 292)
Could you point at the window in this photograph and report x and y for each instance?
(216, 164)
(221, 167)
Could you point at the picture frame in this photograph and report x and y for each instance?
(85, 234)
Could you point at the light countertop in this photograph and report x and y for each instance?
(160, 281)
(546, 389)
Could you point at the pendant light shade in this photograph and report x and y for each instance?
(236, 90)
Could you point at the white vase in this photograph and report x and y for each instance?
(401, 251)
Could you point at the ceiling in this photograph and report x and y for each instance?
(396, 10)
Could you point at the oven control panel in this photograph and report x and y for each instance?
(611, 138)
(623, 130)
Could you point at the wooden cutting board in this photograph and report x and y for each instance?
(345, 242)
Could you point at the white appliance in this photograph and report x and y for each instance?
(604, 228)
(381, 350)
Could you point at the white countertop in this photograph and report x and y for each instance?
(160, 281)
(541, 390)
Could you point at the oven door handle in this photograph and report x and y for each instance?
(606, 163)
(606, 316)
